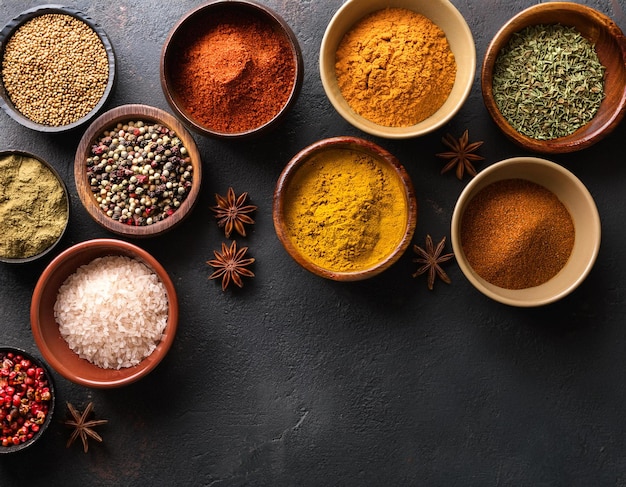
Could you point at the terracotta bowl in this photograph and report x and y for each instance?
(610, 45)
(110, 119)
(46, 251)
(45, 329)
(202, 15)
(577, 200)
(446, 17)
(51, 404)
(287, 183)
(14, 24)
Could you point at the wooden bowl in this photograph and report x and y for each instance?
(53, 346)
(51, 404)
(178, 39)
(610, 46)
(399, 183)
(576, 199)
(50, 248)
(441, 12)
(110, 119)
(14, 24)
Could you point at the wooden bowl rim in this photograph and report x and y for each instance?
(265, 13)
(127, 113)
(574, 141)
(351, 143)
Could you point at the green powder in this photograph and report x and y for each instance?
(33, 207)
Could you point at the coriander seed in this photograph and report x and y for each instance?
(55, 69)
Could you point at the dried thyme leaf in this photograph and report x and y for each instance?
(548, 81)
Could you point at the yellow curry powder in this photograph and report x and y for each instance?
(345, 210)
(395, 67)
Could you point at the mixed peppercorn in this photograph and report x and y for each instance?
(25, 398)
(139, 173)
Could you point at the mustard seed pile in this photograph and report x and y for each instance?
(139, 173)
(55, 69)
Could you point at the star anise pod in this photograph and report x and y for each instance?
(430, 260)
(461, 156)
(83, 426)
(231, 213)
(230, 265)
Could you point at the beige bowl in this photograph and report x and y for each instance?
(578, 201)
(446, 17)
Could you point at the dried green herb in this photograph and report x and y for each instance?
(548, 81)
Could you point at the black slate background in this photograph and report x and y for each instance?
(299, 381)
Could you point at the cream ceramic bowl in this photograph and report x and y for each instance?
(578, 201)
(444, 15)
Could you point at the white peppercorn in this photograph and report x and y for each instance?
(144, 184)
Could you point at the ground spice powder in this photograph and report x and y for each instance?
(33, 207)
(395, 67)
(234, 72)
(345, 210)
(516, 234)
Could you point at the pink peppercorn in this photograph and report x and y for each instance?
(25, 399)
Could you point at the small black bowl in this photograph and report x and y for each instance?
(51, 404)
(11, 27)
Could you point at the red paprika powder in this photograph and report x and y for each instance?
(233, 71)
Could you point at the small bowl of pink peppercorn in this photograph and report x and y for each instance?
(26, 399)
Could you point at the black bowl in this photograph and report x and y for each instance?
(48, 375)
(11, 27)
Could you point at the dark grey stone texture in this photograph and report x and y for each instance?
(299, 381)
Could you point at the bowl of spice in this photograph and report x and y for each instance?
(399, 68)
(34, 207)
(104, 313)
(137, 171)
(525, 231)
(345, 208)
(27, 399)
(554, 77)
(231, 69)
(57, 68)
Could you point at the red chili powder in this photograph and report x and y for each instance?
(232, 72)
(516, 234)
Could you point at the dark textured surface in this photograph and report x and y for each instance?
(296, 380)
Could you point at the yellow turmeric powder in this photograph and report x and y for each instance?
(345, 210)
(395, 67)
